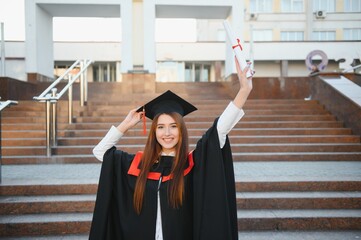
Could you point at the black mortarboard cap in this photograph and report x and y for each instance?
(166, 103)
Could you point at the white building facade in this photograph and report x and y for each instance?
(277, 36)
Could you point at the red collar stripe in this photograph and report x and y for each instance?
(135, 171)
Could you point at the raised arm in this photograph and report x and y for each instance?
(115, 133)
(233, 113)
(245, 86)
(130, 121)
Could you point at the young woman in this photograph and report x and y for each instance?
(167, 192)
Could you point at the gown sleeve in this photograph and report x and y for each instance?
(106, 216)
(229, 118)
(214, 198)
(108, 141)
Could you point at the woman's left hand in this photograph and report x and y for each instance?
(245, 83)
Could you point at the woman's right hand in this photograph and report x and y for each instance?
(130, 120)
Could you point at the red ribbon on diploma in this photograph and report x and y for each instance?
(238, 45)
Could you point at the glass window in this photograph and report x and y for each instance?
(325, 5)
(221, 35)
(292, 6)
(260, 6)
(352, 5)
(104, 72)
(170, 71)
(291, 36)
(352, 34)
(324, 35)
(262, 35)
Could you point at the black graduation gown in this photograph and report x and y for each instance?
(208, 211)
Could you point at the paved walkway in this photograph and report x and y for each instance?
(244, 171)
(263, 235)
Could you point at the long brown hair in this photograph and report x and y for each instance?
(152, 152)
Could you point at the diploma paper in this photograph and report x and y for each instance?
(237, 49)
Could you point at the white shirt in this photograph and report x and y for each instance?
(229, 118)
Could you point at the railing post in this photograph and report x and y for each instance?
(3, 71)
(81, 85)
(48, 129)
(85, 86)
(70, 102)
(54, 118)
(0, 150)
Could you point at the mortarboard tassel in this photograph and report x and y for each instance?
(144, 123)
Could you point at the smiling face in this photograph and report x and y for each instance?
(167, 133)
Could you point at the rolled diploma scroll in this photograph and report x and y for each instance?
(237, 50)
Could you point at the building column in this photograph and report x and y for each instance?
(149, 36)
(284, 68)
(126, 10)
(39, 40)
(138, 34)
(309, 21)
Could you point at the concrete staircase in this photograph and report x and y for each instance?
(297, 167)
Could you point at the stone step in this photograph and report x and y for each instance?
(188, 119)
(248, 220)
(243, 235)
(45, 224)
(299, 200)
(191, 132)
(295, 156)
(242, 124)
(65, 141)
(21, 133)
(27, 126)
(52, 237)
(36, 107)
(6, 134)
(298, 186)
(236, 148)
(23, 151)
(206, 109)
(233, 139)
(299, 235)
(31, 188)
(199, 132)
(210, 106)
(35, 114)
(237, 157)
(247, 117)
(282, 220)
(201, 106)
(42, 120)
(107, 102)
(23, 142)
(96, 102)
(31, 105)
(217, 113)
(17, 205)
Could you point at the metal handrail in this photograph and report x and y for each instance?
(351, 68)
(51, 96)
(7, 103)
